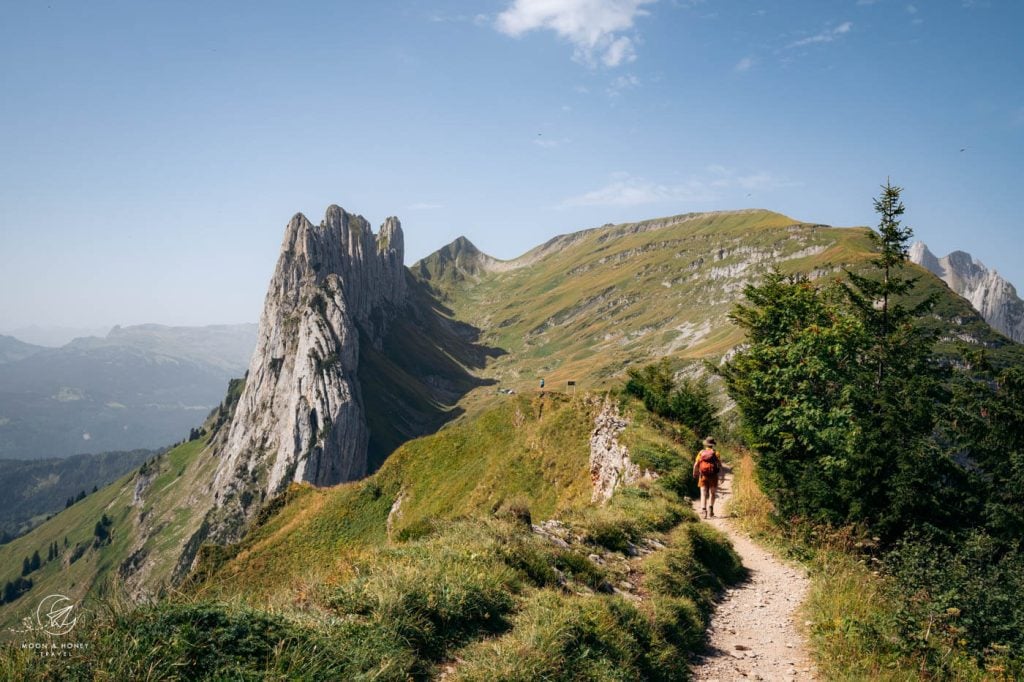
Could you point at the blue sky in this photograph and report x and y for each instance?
(152, 153)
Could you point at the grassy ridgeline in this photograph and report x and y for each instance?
(458, 582)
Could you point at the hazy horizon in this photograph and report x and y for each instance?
(155, 153)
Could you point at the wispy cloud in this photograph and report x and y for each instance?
(594, 27)
(620, 84)
(629, 190)
(743, 65)
(827, 36)
(424, 206)
(632, 191)
(551, 143)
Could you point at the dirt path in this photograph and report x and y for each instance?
(753, 635)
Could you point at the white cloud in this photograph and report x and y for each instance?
(743, 65)
(826, 36)
(627, 190)
(621, 50)
(622, 83)
(424, 206)
(592, 26)
(636, 192)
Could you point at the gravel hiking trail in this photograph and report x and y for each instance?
(753, 633)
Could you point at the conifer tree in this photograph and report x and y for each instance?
(839, 388)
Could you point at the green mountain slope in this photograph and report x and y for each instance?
(35, 489)
(432, 566)
(149, 532)
(582, 307)
(585, 306)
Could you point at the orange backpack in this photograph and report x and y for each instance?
(708, 463)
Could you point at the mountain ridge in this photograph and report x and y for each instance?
(419, 353)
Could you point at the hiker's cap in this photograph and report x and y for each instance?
(709, 441)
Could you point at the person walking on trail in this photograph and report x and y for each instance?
(706, 469)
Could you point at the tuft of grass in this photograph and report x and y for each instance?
(697, 565)
(555, 638)
(630, 515)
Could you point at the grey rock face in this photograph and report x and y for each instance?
(989, 294)
(301, 416)
(610, 464)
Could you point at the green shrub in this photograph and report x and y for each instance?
(686, 402)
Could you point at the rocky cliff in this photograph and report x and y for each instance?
(990, 294)
(301, 415)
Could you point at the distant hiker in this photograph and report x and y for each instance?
(542, 384)
(706, 469)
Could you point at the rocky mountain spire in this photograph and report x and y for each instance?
(991, 295)
(301, 414)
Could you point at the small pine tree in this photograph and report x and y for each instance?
(26, 566)
(36, 561)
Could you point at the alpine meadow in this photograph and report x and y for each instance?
(698, 440)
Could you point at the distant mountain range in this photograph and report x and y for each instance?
(991, 295)
(138, 387)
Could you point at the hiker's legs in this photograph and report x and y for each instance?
(712, 492)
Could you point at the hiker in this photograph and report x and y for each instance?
(706, 469)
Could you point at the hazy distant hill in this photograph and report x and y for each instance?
(138, 387)
(33, 489)
(12, 350)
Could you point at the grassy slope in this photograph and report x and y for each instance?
(587, 306)
(583, 311)
(169, 508)
(533, 449)
(462, 586)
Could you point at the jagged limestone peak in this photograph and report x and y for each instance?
(301, 415)
(991, 295)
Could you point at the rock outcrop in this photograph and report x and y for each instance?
(989, 294)
(301, 415)
(610, 464)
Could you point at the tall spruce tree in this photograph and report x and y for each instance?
(838, 388)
